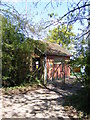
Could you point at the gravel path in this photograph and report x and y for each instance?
(39, 103)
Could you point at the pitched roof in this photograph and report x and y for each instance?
(56, 49)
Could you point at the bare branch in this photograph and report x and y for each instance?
(74, 10)
(10, 7)
(88, 32)
(47, 5)
(52, 4)
(58, 21)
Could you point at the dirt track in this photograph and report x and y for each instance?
(39, 103)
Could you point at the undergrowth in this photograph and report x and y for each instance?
(80, 101)
(24, 86)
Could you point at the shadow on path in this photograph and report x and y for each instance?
(40, 103)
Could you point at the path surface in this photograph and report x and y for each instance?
(40, 103)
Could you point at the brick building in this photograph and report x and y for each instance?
(54, 61)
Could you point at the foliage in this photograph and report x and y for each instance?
(61, 35)
(87, 69)
(79, 12)
(79, 54)
(23, 88)
(13, 53)
(16, 51)
(80, 101)
(80, 60)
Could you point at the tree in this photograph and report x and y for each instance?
(87, 69)
(62, 36)
(12, 54)
(17, 51)
(77, 13)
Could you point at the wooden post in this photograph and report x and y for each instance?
(45, 70)
(63, 71)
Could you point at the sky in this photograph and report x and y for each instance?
(37, 13)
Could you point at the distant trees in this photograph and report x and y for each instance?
(62, 36)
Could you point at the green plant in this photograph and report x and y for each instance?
(79, 101)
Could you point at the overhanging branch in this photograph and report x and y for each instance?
(73, 10)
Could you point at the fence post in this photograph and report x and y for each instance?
(45, 69)
(63, 63)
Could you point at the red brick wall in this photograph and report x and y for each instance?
(54, 71)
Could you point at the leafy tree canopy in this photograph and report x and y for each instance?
(62, 35)
(17, 50)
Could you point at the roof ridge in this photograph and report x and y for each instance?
(55, 49)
